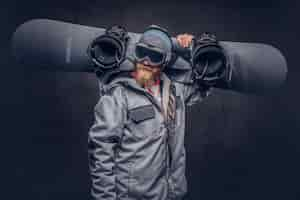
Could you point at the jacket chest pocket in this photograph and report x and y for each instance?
(143, 121)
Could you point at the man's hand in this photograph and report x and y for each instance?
(184, 40)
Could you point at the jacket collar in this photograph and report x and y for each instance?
(133, 84)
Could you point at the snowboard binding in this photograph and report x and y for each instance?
(208, 59)
(108, 50)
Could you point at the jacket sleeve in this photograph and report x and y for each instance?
(104, 136)
(193, 93)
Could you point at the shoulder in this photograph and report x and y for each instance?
(112, 89)
(114, 93)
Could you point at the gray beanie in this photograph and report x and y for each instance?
(155, 36)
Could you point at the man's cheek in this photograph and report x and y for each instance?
(140, 74)
(143, 73)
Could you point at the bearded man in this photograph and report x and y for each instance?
(136, 144)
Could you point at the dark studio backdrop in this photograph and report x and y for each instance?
(238, 146)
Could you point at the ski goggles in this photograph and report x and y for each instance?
(155, 56)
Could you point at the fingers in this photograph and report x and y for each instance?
(185, 39)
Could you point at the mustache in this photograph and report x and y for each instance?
(145, 76)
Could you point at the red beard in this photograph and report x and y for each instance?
(146, 76)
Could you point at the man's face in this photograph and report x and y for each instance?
(146, 74)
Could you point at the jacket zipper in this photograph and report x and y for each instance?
(162, 111)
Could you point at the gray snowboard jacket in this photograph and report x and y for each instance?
(132, 155)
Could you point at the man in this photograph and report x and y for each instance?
(136, 144)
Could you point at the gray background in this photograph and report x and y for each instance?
(239, 146)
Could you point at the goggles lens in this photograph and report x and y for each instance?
(155, 56)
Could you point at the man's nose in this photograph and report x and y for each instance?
(145, 62)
